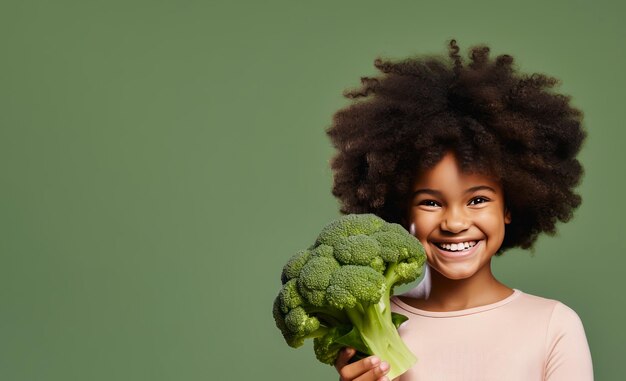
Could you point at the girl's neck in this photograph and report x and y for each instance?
(460, 294)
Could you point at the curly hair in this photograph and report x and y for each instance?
(494, 119)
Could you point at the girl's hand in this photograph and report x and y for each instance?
(367, 369)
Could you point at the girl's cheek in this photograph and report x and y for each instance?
(412, 229)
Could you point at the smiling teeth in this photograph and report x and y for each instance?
(457, 246)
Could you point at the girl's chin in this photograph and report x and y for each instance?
(455, 275)
(456, 266)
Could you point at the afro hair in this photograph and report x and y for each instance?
(495, 120)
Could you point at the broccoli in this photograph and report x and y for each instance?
(337, 291)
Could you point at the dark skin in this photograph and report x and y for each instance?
(448, 295)
(367, 369)
(450, 206)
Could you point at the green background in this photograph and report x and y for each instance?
(161, 160)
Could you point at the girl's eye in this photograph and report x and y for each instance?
(431, 203)
(478, 200)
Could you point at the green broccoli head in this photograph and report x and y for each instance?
(294, 265)
(300, 322)
(289, 296)
(328, 346)
(349, 225)
(315, 277)
(396, 245)
(323, 251)
(404, 272)
(351, 286)
(337, 291)
(292, 338)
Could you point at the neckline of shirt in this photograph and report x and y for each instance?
(516, 293)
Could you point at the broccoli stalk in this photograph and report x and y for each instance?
(337, 291)
(381, 338)
(378, 331)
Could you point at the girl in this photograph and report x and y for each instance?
(473, 160)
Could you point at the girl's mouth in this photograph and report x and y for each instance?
(455, 247)
(459, 250)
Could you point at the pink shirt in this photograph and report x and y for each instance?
(520, 338)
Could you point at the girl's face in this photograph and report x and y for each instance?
(458, 217)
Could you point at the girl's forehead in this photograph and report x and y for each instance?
(447, 173)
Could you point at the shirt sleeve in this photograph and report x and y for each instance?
(568, 355)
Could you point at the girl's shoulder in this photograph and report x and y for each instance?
(562, 318)
(557, 310)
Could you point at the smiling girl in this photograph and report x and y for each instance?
(473, 160)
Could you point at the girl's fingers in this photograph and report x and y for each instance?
(367, 369)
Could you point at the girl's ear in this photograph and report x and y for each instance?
(507, 216)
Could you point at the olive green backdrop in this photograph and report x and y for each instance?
(161, 160)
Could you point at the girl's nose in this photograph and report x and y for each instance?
(454, 221)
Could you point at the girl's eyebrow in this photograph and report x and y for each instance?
(427, 191)
(480, 187)
(436, 193)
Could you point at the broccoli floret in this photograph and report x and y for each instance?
(289, 297)
(355, 286)
(315, 277)
(293, 267)
(337, 291)
(328, 346)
